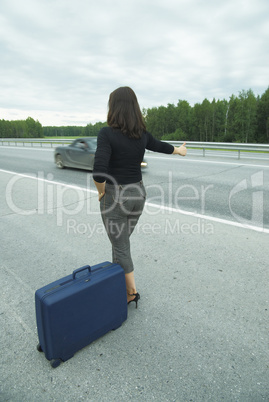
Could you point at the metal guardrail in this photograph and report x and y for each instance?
(34, 142)
(204, 146)
(225, 146)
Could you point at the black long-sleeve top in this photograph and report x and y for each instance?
(120, 157)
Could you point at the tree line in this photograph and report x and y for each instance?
(243, 118)
(28, 128)
(91, 130)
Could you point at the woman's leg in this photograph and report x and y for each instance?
(130, 286)
(120, 221)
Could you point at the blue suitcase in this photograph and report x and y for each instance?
(79, 308)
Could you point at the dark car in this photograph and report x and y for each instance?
(79, 154)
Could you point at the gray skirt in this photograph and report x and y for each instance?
(121, 208)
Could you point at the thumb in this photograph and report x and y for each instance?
(184, 144)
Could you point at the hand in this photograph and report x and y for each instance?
(101, 188)
(182, 150)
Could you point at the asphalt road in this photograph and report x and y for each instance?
(232, 190)
(200, 332)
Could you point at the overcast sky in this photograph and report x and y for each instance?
(60, 59)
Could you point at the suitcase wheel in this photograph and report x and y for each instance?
(55, 363)
(39, 348)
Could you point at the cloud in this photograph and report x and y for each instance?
(60, 59)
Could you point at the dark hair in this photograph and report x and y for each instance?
(124, 112)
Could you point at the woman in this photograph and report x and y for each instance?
(117, 175)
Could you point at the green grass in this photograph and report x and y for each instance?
(61, 138)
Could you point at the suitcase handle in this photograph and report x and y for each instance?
(86, 267)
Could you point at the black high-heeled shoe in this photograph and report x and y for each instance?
(137, 297)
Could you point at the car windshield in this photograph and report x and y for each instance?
(92, 143)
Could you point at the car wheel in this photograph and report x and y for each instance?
(59, 162)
